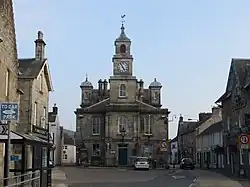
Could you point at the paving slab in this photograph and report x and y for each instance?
(212, 179)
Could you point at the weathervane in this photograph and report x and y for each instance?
(122, 17)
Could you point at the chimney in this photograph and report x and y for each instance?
(216, 110)
(100, 84)
(141, 83)
(55, 109)
(180, 118)
(105, 84)
(40, 46)
(204, 116)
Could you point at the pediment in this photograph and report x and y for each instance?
(100, 106)
(146, 106)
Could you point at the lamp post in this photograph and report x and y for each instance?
(123, 133)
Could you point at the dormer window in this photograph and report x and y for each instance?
(123, 48)
(122, 90)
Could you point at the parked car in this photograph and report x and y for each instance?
(187, 163)
(141, 163)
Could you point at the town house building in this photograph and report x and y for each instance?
(34, 79)
(9, 91)
(56, 133)
(210, 147)
(121, 118)
(235, 103)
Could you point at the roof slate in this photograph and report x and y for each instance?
(217, 127)
(30, 67)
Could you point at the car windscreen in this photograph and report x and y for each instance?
(187, 160)
(141, 159)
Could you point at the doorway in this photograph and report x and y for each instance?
(122, 155)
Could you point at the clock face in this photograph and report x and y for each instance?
(123, 66)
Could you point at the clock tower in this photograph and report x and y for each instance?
(123, 85)
(122, 59)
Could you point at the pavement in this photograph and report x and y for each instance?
(58, 178)
(213, 179)
(122, 177)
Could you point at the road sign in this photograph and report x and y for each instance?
(9, 111)
(244, 139)
(3, 129)
(163, 146)
(15, 157)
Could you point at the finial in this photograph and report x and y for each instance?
(123, 21)
(54, 104)
(86, 77)
(155, 79)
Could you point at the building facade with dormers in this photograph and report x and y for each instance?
(121, 118)
(235, 103)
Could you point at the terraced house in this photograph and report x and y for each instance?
(236, 118)
(9, 91)
(121, 118)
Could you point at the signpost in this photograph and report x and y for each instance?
(244, 141)
(8, 112)
(164, 146)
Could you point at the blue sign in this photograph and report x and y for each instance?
(14, 158)
(9, 111)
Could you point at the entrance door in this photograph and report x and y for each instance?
(122, 156)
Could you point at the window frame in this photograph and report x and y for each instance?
(41, 83)
(122, 91)
(35, 114)
(96, 122)
(7, 83)
(122, 122)
(147, 125)
(93, 148)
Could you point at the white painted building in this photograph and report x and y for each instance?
(210, 147)
(56, 133)
(69, 154)
(174, 150)
(69, 148)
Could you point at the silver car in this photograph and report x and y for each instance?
(141, 163)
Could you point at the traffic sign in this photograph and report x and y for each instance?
(244, 139)
(163, 146)
(9, 111)
(3, 129)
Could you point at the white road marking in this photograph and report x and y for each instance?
(193, 183)
(178, 177)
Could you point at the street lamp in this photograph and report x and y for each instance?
(123, 133)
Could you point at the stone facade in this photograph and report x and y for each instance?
(8, 54)
(187, 136)
(9, 91)
(122, 121)
(235, 104)
(34, 79)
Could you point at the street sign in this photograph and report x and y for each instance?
(3, 129)
(164, 146)
(244, 139)
(9, 111)
(15, 157)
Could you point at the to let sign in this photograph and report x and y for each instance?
(9, 111)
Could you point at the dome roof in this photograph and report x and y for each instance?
(86, 83)
(155, 84)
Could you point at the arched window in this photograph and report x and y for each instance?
(122, 124)
(122, 90)
(123, 48)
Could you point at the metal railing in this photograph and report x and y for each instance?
(30, 179)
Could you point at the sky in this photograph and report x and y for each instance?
(186, 45)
